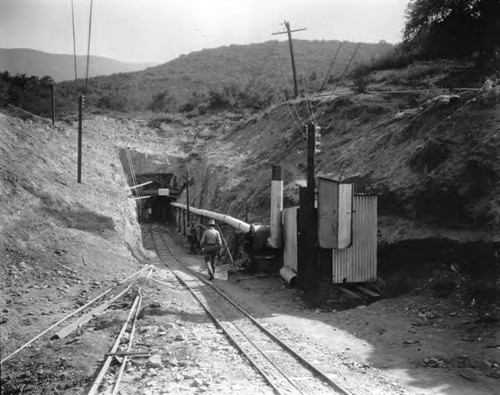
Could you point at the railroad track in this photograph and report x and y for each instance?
(285, 370)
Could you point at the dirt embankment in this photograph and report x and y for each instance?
(434, 167)
(61, 243)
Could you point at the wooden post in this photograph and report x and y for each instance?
(311, 134)
(178, 216)
(324, 272)
(187, 199)
(53, 105)
(227, 247)
(80, 116)
(184, 222)
(306, 265)
(289, 33)
(295, 86)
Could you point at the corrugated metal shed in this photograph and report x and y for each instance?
(358, 263)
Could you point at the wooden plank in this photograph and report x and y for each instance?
(345, 216)
(290, 237)
(256, 276)
(87, 317)
(328, 192)
(226, 246)
(53, 326)
(350, 293)
(67, 268)
(141, 185)
(275, 239)
(367, 291)
(134, 274)
(128, 353)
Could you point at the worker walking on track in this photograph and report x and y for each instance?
(210, 246)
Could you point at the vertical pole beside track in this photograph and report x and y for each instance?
(187, 199)
(307, 248)
(80, 116)
(311, 185)
(53, 105)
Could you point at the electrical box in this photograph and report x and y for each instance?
(163, 192)
(334, 214)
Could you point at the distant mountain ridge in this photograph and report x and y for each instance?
(61, 66)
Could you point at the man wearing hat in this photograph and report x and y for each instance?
(210, 244)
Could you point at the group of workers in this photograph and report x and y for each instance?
(210, 244)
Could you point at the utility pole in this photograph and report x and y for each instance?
(311, 151)
(53, 105)
(308, 252)
(187, 198)
(81, 101)
(289, 33)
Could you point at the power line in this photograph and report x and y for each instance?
(294, 120)
(331, 66)
(347, 67)
(88, 46)
(74, 38)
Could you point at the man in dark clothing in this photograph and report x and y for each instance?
(193, 239)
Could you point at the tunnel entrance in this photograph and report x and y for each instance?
(154, 184)
(161, 190)
(157, 209)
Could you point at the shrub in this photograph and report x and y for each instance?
(202, 108)
(399, 57)
(360, 78)
(163, 102)
(187, 107)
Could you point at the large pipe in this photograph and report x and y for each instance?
(289, 276)
(276, 206)
(235, 223)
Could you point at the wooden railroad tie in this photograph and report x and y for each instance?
(350, 293)
(130, 353)
(367, 291)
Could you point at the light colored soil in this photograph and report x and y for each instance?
(423, 343)
(49, 224)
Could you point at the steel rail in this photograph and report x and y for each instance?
(315, 370)
(69, 316)
(130, 340)
(216, 321)
(211, 314)
(107, 362)
(237, 345)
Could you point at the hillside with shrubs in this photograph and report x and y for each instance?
(252, 76)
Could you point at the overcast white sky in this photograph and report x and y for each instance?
(160, 30)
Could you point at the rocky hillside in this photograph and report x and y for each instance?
(433, 166)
